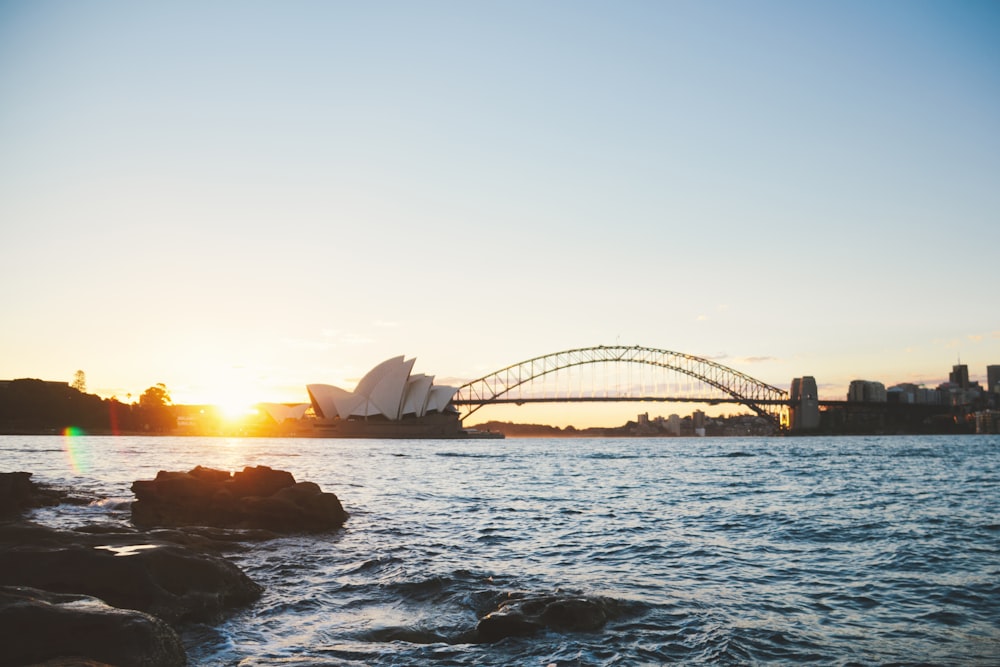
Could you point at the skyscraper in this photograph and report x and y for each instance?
(959, 375)
(993, 378)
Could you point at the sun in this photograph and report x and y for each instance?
(235, 408)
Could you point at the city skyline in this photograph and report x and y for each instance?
(237, 200)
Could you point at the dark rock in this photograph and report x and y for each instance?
(65, 629)
(131, 571)
(261, 481)
(257, 497)
(520, 616)
(203, 539)
(18, 493)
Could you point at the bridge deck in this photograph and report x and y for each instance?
(612, 399)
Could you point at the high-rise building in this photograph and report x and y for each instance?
(993, 378)
(674, 424)
(698, 422)
(959, 375)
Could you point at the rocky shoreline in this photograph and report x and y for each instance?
(110, 594)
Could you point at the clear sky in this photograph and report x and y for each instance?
(240, 198)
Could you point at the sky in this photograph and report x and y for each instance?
(237, 199)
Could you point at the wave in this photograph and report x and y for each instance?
(471, 455)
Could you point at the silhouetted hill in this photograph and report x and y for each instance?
(32, 406)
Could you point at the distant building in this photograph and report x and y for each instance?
(674, 424)
(988, 422)
(993, 379)
(866, 391)
(959, 375)
(698, 422)
(913, 394)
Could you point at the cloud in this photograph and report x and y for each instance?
(701, 318)
(975, 338)
(758, 360)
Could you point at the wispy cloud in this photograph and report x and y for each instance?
(758, 360)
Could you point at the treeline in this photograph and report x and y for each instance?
(512, 430)
(30, 406)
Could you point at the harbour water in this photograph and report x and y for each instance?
(848, 550)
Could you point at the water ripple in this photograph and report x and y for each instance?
(868, 550)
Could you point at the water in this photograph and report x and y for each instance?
(863, 550)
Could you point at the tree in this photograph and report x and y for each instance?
(154, 407)
(155, 397)
(80, 382)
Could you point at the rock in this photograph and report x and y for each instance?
(258, 497)
(18, 493)
(64, 629)
(203, 539)
(130, 571)
(520, 616)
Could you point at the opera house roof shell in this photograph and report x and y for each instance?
(388, 390)
(280, 412)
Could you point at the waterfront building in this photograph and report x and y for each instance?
(388, 402)
(698, 422)
(674, 424)
(866, 391)
(988, 422)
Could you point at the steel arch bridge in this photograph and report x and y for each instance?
(721, 384)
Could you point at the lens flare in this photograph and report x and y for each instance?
(76, 449)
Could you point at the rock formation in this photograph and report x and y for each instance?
(170, 581)
(39, 626)
(18, 493)
(104, 594)
(254, 498)
(521, 616)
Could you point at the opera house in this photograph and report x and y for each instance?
(389, 402)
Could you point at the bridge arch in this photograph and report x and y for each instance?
(733, 386)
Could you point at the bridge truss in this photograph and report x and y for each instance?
(662, 376)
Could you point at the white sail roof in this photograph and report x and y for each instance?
(388, 390)
(440, 398)
(281, 413)
(418, 389)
